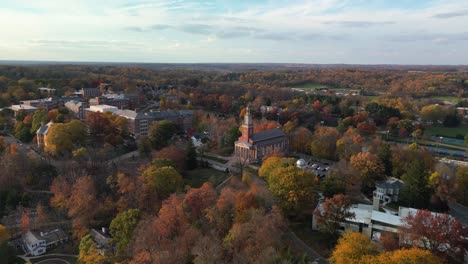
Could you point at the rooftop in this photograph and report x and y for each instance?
(267, 134)
(22, 107)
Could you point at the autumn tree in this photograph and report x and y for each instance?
(324, 142)
(432, 113)
(61, 190)
(438, 233)
(369, 167)
(160, 133)
(88, 252)
(174, 154)
(39, 118)
(163, 180)
(300, 140)
(412, 255)
(293, 188)
(272, 163)
(332, 212)
(82, 205)
(353, 247)
(25, 221)
(121, 229)
(197, 200)
(7, 253)
(62, 138)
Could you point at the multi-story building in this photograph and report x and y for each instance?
(41, 135)
(388, 190)
(89, 92)
(47, 103)
(36, 243)
(254, 146)
(77, 108)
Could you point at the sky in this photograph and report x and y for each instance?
(235, 31)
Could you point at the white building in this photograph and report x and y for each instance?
(34, 244)
(388, 190)
(369, 220)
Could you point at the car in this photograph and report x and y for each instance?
(314, 166)
(327, 168)
(319, 168)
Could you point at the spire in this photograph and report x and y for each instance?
(248, 116)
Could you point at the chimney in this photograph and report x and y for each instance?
(375, 203)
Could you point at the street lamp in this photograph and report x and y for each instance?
(440, 142)
(388, 131)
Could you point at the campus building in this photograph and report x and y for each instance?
(254, 146)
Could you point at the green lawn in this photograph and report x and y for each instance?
(196, 178)
(310, 86)
(447, 98)
(451, 132)
(319, 242)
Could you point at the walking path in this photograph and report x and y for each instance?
(57, 260)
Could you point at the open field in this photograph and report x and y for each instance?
(447, 98)
(195, 178)
(451, 132)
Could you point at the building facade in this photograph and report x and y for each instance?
(254, 146)
(77, 108)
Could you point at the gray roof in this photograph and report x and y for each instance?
(267, 134)
(44, 129)
(54, 236)
(31, 238)
(390, 183)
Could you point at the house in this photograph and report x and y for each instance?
(37, 243)
(41, 135)
(102, 239)
(254, 146)
(388, 190)
(77, 108)
(462, 112)
(197, 140)
(34, 244)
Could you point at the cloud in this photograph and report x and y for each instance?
(197, 29)
(451, 14)
(441, 38)
(359, 24)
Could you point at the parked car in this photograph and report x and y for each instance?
(314, 166)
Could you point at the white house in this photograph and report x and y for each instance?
(34, 244)
(37, 243)
(388, 190)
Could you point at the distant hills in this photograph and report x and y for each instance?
(236, 67)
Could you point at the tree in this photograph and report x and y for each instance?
(353, 247)
(410, 256)
(272, 163)
(82, 205)
(25, 221)
(88, 252)
(432, 113)
(333, 184)
(438, 233)
(324, 142)
(416, 192)
(7, 253)
(197, 200)
(332, 212)
(144, 147)
(160, 133)
(39, 118)
(121, 229)
(163, 181)
(461, 177)
(174, 154)
(293, 188)
(62, 138)
(369, 166)
(191, 156)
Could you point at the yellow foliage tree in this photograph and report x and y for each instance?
(88, 252)
(353, 247)
(404, 256)
(3, 234)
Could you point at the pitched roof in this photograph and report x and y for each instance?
(267, 134)
(390, 183)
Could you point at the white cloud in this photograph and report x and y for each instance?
(195, 31)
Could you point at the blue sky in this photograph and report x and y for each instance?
(292, 31)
